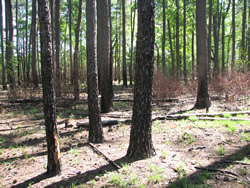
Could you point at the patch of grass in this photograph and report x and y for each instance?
(156, 174)
(221, 150)
(181, 172)
(74, 151)
(163, 154)
(245, 160)
(2, 140)
(193, 118)
(117, 180)
(186, 138)
(227, 115)
(246, 136)
(230, 126)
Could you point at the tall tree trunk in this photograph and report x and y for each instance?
(54, 164)
(223, 37)
(184, 44)
(38, 60)
(216, 40)
(193, 71)
(209, 39)
(141, 144)
(132, 43)
(164, 71)
(202, 100)
(27, 57)
(248, 41)
(34, 60)
(111, 51)
(243, 50)
(233, 35)
(76, 54)
(103, 56)
(157, 59)
(178, 70)
(9, 49)
(70, 43)
(95, 126)
(58, 48)
(171, 48)
(2, 46)
(17, 46)
(52, 14)
(124, 65)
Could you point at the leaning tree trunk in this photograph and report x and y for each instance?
(202, 100)
(76, 54)
(141, 144)
(2, 46)
(34, 55)
(9, 49)
(95, 126)
(54, 164)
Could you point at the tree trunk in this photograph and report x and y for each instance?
(178, 70)
(95, 126)
(70, 43)
(140, 144)
(248, 42)
(243, 50)
(34, 60)
(184, 44)
(193, 71)
(132, 44)
(202, 100)
(17, 47)
(9, 49)
(124, 66)
(209, 36)
(58, 49)
(171, 48)
(164, 71)
(76, 54)
(27, 57)
(233, 35)
(2, 46)
(223, 37)
(103, 56)
(54, 164)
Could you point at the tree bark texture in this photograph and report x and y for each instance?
(209, 38)
(34, 55)
(9, 49)
(184, 44)
(243, 50)
(27, 56)
(95, 125)
(103, 53)
(70, 42)
(2, 47)
(178, 70)
(54, 164)
(140, 144)
(17, 46)
(58, 48)
(202, 100)
(233, 35)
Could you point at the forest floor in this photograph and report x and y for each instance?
(190, 152)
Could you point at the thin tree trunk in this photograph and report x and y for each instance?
(95, 125)
(132, 43)
(70, 43)
(27, 57)
(9, 49)
(184, 44)
(178, 70)
(193, 71)
(171, 48)
(2, 46)
(209, 36)
(233, 35)
(54, 164)
(34, 59)
(164, 71)
(216, 40)
(243, 50)
(17, 46)
(124, 66)
(76, 55)
(58, 49)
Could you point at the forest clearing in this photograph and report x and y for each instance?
(191, 152)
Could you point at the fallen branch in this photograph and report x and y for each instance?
(109, 122)
(102, 154)
(235, 162)
(217, 170)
